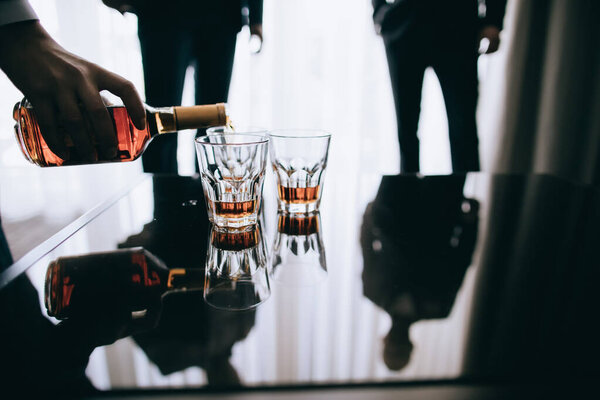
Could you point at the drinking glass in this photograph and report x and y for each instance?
(299, 158)
(232, 170)
(298, 257)
(236, 269)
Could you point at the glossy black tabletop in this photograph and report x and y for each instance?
(465, 277)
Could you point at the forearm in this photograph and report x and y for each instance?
(17, 20)
(15, 39)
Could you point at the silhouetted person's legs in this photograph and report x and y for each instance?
(166, 52)
(406, 62)
(213, 51)
(457, 73)
(5, 255)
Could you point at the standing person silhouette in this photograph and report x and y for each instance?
(444, 35)
(179, 33)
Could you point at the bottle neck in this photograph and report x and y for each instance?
(172, 119)
(161, 119)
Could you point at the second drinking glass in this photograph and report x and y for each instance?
(299, 158)
(232, 169)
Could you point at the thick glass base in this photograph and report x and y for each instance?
(299, 208)
(236, 295)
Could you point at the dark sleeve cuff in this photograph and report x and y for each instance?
(255, 7)
(494, 13)
(12, 11)
(377, 5)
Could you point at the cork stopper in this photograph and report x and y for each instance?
(193, 117)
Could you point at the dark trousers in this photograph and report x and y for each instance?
(457, 72)
(167, 51)
(6, 259)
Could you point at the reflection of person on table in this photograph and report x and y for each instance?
(445, 35)
(176, 34)
(190, 332)
(417, 237)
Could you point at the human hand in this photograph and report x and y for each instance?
(101, 325)
(64, 91)
(492, 34)
(256, 32)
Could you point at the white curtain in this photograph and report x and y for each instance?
(548, 109)
(322, 66)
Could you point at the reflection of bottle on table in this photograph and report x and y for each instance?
(133, 279)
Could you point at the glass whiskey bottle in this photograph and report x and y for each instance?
(131, 142)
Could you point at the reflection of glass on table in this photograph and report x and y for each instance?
(299, 158)
(236, 269)
(298, 253)
(232, 169)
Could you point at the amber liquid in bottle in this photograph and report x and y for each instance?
(131, 142)
(298, 195)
